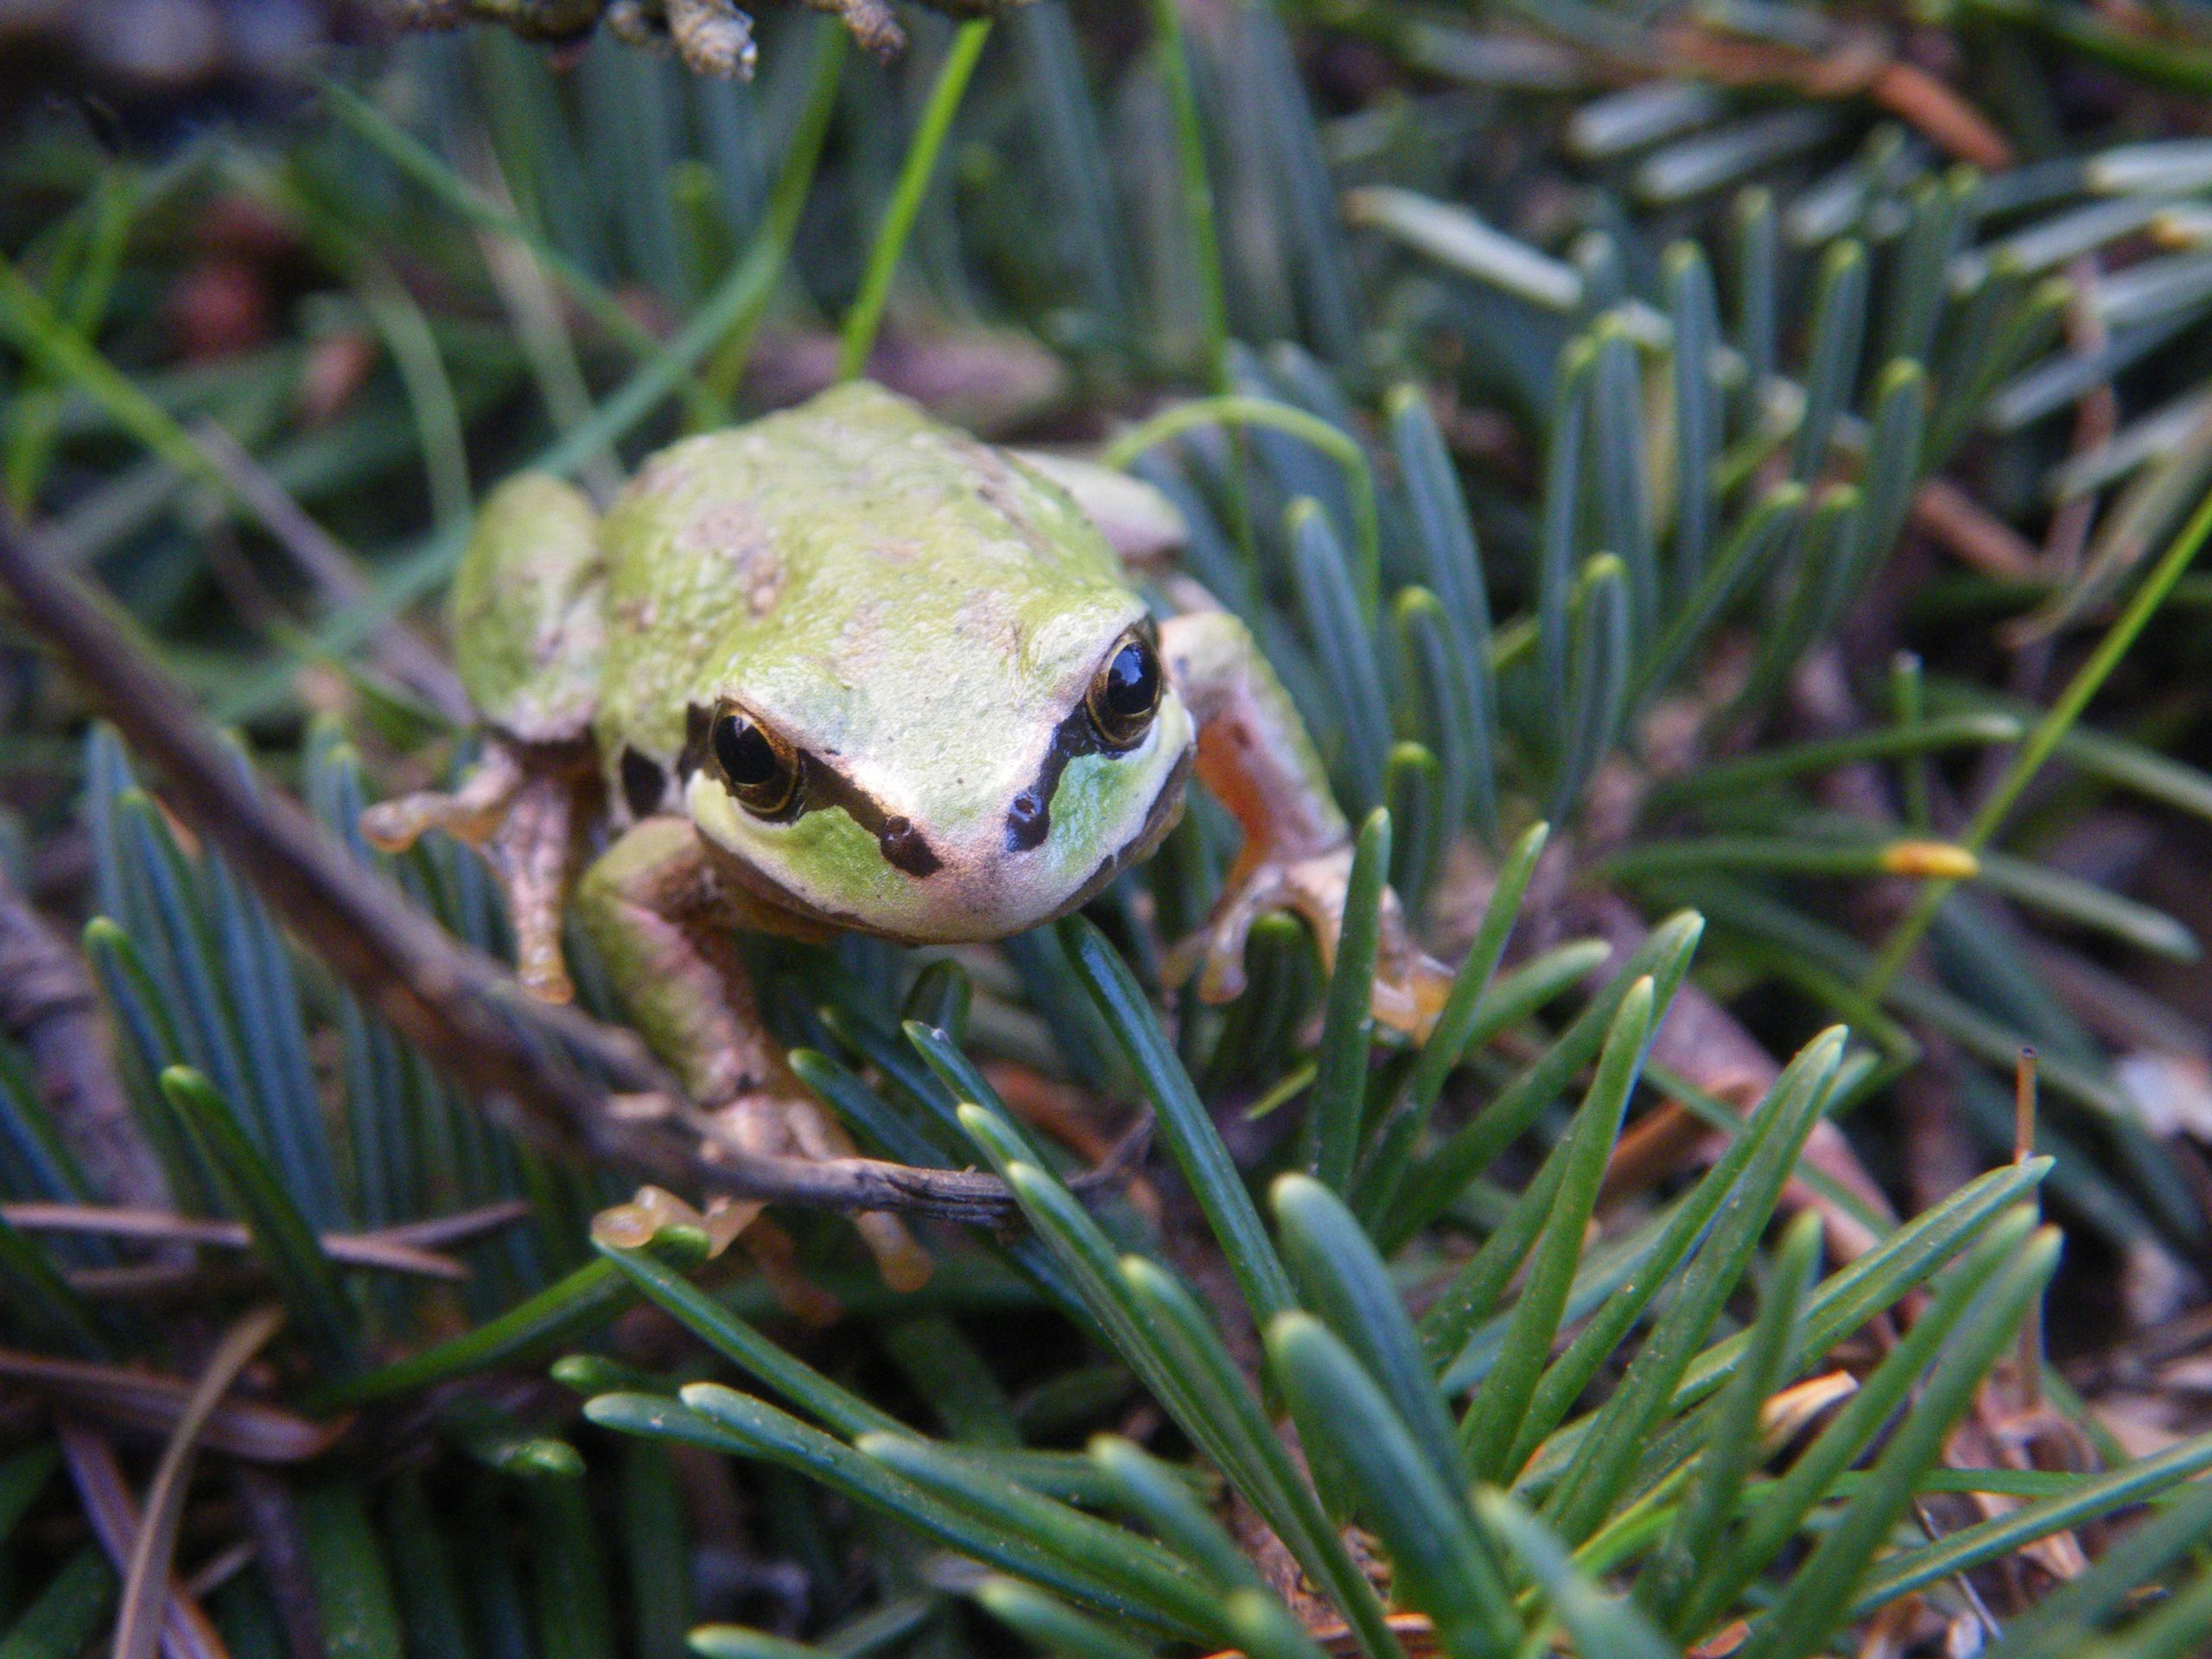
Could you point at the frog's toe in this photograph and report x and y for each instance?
(472, 813)
(899, 1255)
(781, 1119)
(394, 826)
(1409, 986)
(1215, 952)
(1409, 993)
(636, 1223)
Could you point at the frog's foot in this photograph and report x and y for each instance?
(629, 1226)
(871, 23)
(775, 1124)
(472, 813)
(1409, 985)
(527, 820)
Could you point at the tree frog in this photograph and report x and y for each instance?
(846, 667)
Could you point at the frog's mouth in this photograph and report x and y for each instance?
(920, 897)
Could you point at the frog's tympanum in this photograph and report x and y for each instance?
(848, 668)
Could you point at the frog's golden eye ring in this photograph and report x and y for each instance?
(1124, 694)
(753, 763)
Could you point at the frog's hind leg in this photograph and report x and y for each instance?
(1254, 757)
(526, 814)
(1142, 526)
(663, 924)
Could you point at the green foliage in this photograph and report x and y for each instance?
(1664, 1459)
(1544, 425)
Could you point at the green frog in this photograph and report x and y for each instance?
(848, 668)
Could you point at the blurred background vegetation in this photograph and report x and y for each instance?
(1764, 443)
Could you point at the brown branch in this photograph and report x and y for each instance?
(534, 1066)
(1978, 537)
(434, 1232)
(186, 1631)
(1856, 64)
(48, 1004)
(153, 1403)
(319, 556)
(161, 1226)
(1703, 1043)
(174, 1284)
(145, 1600)
(1698, 1040)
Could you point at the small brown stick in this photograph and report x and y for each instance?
(457, 1228)
(220, 1568)
(2096, 413)
(186, 1631)
(1722, 1642)
(1859, 65)
(145, 1600)
(1959, 1581)
(461, 1008)
(2023, 1148)
(156, 1284)
(319, 557)
(1978, 537)
(1943, 117)
(48, 1004)
(2096, 417)
(355, 1249)
(150, 1401)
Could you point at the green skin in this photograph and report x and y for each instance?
(921, 615)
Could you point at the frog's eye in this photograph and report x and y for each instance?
(1124, 694)
(753, 764)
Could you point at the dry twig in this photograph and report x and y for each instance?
(186, 1631)
(1862, 67)
(146, 1599)
(355, 1249)
(46, 1003)
(395, 647)
(153, 1403)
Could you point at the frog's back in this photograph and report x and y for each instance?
(798, 556)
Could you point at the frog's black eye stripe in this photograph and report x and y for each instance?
(753, 764)
(644, 786)
(1124, 694)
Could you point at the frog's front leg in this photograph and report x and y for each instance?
(525, 809)
(1254, 757)
(529, 640)
(663, 925)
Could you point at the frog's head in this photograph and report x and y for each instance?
(949, 778)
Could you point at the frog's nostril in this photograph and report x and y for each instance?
(906, 848)
(1028, 821)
